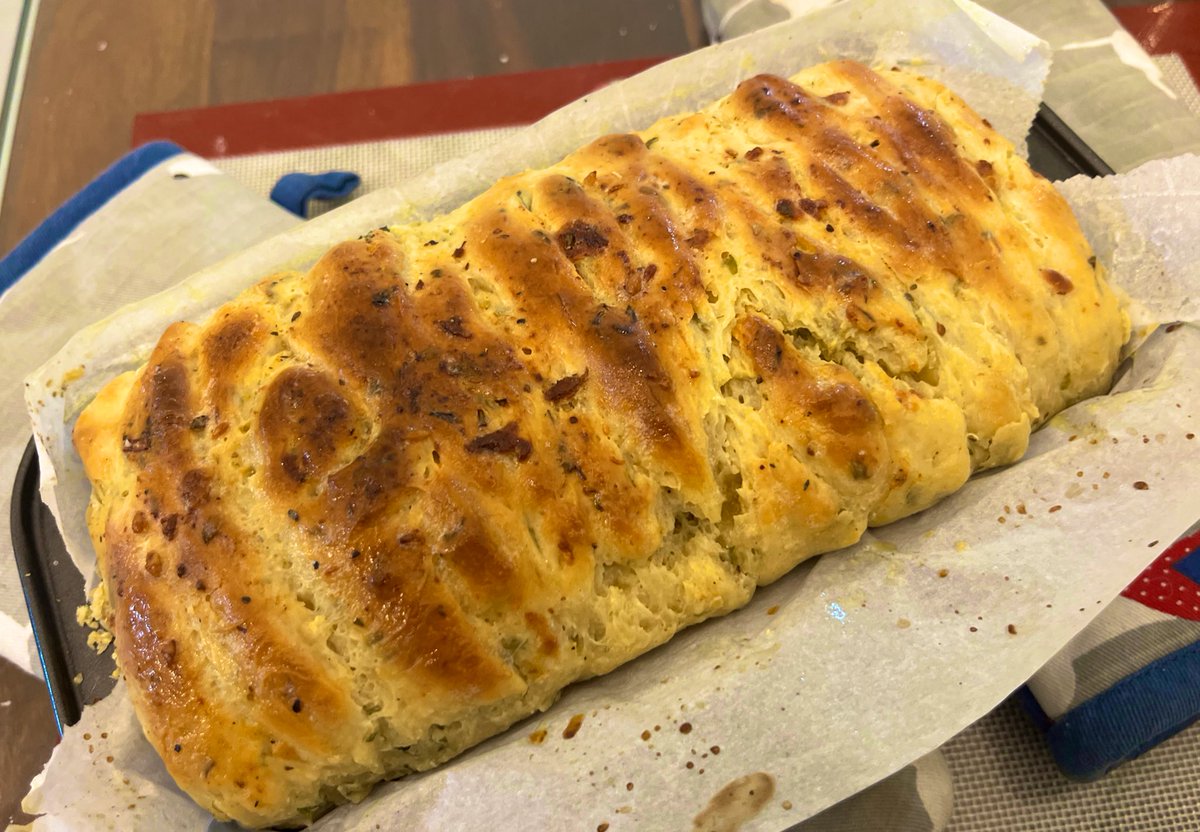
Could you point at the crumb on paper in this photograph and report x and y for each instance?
(78, 678)
(90, 615)
(99, 640)
(573, 726)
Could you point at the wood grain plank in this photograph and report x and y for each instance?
(375, 50)
(94, 65)
(89, 71)
(489, 37)
(274, 49)
(27, 726)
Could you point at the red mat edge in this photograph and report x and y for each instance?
(1162, 28)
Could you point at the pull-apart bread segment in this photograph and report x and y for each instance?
(367, 516)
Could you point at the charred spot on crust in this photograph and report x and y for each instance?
(820, 270)
(208, 532)
(139, 523)
(505, 441)
(764, 343)
(565, 387)
(580, 239)
(813, 207)
(233, 341)
(1059, 282)
(136, 444)
(154, 563)
(165, 396)
(194, 489)
(453, 326)
(303, 423)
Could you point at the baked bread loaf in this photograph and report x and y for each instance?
(366, 516)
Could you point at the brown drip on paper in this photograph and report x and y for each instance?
(735, 804)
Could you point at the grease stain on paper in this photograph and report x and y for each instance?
(736, 803)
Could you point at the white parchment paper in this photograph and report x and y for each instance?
(856, 663)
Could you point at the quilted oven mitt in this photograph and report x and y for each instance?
(1132, 678)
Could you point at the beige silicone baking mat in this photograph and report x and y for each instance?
(1005, 779)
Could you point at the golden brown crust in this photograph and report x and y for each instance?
(369, 515)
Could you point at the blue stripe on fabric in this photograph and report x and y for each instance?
(55, 228)
(1129, 718)
(1189, 565)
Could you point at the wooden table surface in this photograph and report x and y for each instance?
(94, 65)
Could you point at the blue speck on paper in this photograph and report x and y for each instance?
(835, 610)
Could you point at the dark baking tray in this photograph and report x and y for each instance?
(1057, 153)
(53, 591)
(54, 588)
